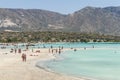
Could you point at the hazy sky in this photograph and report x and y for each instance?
(61, 6)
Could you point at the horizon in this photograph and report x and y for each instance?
(63, 7)
(55, 11)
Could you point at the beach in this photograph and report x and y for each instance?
(13, 68)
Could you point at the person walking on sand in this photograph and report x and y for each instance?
(19, 50)
(23, 57)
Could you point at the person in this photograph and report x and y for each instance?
(26, 47)
(75, 49)
(51, 47)
(15, 51)
(23, 57)
(59, 51)
(19, 50)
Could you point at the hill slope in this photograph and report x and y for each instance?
(89, 19)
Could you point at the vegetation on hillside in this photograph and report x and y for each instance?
(10, 37)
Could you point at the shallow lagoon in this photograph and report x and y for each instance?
(101, 62)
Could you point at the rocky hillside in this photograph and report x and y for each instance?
(98, 20)
(89, 19)
(31, 19)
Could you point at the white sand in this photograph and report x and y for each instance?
(12, 67)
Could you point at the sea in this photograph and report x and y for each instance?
(98, 61)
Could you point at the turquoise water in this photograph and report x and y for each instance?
(101, 62)
(67, 45)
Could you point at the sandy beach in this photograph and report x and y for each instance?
(13, 68)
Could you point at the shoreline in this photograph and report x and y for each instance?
(12, 67)
(51, 71)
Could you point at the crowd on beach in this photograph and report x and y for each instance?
(16, 49)
(22, 49)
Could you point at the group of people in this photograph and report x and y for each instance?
(24, 56)
(15, 51)
(55, 50)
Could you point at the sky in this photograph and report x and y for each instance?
(61, 6)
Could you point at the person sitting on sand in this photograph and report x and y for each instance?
(23, 57)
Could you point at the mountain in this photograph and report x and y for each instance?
(89, 19)
(98, 20)
(29, 19)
